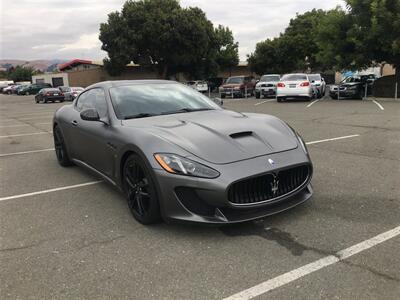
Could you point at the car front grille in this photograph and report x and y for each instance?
(268, 187)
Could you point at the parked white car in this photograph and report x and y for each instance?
(295, 86)
(319, 84)
(267, 85)
(198, 85)
(5, 83)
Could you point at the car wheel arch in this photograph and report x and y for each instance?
(125, 154)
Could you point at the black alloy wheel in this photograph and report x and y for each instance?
(59, 146)
(140, 190)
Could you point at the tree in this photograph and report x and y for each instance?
(295, 49)
(227, 49)
(20, 73)
(270, 56)
(375, 32)
(335, 49)
(162, 34)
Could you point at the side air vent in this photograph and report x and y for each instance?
(239, 135)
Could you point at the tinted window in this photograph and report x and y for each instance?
(314, 77)
(130, 100)
(64, 88)
(294, 77)
(94, 98)
(235, 80)
(270, 78)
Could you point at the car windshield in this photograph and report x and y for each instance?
(270, 78)
(145, 100)
(314, 77)
(351, 79)
(235, 80)
(294, 77)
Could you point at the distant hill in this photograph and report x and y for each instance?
(41, 65)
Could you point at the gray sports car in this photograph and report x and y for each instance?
(179, 156)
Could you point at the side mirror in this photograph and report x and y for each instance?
(322, 79)
(219, 101)
(90, 114)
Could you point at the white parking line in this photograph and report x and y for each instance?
(25, 134)
(295, 274)
(379, 105)
(315, 101)
(333, 139)
(33, 118)
(270, 100)
(26, 152)
(68, 187)
(24, 125)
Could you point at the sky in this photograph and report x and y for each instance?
(68, 29)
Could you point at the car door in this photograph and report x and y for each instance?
(91, 137)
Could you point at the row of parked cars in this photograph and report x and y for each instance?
(307, 86)
(44, 92)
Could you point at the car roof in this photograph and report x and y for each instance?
(116, 83)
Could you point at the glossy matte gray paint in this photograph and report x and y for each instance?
(219, 139)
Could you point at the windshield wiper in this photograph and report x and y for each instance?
(184, 110)
(141, 115)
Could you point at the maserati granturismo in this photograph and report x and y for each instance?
(179, 156)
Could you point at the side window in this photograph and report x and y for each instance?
(99, 102)
(94, 98)
(81, 102)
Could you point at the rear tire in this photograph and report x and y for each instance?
(61, 151)
(140, 190)
(279, 99)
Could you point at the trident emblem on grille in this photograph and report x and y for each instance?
(274, 185)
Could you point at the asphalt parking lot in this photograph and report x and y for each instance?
(63, 234)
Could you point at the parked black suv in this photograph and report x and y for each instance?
(353, 87)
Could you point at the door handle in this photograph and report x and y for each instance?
(74, 122)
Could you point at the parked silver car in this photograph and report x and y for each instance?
(267, 85)
(295, 86)
(70, 93)
(319, 84)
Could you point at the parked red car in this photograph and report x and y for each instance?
(237, 86)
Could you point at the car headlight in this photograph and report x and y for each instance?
(302, 143)
(236, 88)
(176, 164)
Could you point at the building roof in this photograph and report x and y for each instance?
(76, 62)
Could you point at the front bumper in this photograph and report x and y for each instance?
(200, 200)
(266, 91)
(230, 93)
(344, 93)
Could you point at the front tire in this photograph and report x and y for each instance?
(61, 150)
(258, 96)
(140, 190)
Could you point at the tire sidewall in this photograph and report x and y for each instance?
(154, 215)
